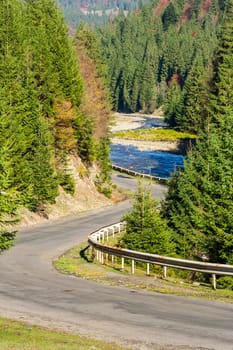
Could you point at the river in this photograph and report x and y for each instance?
(146, 161)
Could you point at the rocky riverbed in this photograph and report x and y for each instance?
(157, 158)
(137, 121)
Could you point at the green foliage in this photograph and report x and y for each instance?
(6, 240)
(38, 69)
(195, 115)
(199, 202)
(225, 282)
(83, 130)
(67, 182)
(173, 104)
(145, 229)
(152, 53)
(155, 134)
(103, 180)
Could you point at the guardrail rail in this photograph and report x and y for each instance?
(135, 173)
(98, 240)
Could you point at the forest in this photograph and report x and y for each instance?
(97, 12)
(157, 54)
(43, 120)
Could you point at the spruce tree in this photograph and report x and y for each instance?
(199, 203)
(195, 115)
(173, 104)
(145, 230)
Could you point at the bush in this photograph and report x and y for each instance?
(68, 183)
(225, 282)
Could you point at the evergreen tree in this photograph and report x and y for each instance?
(11, 142)
(199, 203)
(195, 115)
(103, 180)
(145, 229)
(173, 104)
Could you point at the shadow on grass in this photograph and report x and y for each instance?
(84, 254)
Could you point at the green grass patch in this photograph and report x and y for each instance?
(157, 134)
(111, 274)
(19, 336)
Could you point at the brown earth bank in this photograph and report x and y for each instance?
(86, 198)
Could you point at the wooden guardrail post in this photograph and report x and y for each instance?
(214, 281)
(148, 269)
(122, 264)
(164, 271)
(133, 267)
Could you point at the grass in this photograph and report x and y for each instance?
(157, 134)
(19, 336)
(72, 263)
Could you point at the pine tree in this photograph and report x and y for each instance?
(103, 179)
(199, 203)
(195, 115)
(11, 141)
(145, 230)
(173, 104)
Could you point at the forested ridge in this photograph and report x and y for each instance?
(41, 122)
(97, 12)
(160, 54)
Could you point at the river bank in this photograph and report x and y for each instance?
(124, 122)
(167, 146)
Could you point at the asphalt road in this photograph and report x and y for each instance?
(32, 290)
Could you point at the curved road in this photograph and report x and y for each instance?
(31, 290)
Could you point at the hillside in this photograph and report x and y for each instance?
(154, 53)
(96, 12)
(54, 158)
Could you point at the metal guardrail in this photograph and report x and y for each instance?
(135, 173)
(99, 238)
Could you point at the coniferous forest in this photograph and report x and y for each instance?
(179, 56)
(162, 55)
(41, 122)
(173, 55)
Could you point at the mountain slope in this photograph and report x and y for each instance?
(152, 52)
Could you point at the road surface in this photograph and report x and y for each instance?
(32, 290)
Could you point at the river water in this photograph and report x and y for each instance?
(155, 163)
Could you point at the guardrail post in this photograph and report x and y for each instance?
(97, 255)
(164, 271)
(112, 259)
(93, 253)
(132, 267)
(214, 281)
(102, 258)
(148, 269)
(122, 264)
